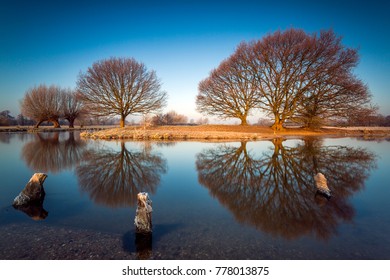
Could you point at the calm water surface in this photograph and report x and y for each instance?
(235, 200)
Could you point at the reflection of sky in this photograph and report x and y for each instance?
(181, 200)
(52, 41)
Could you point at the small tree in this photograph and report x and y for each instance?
(120, 86)
(41, 104)
(71, 106)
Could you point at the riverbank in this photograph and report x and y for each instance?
(32, 129)
(225, 132)
(205, 132)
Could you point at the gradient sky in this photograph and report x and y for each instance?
(52, 41)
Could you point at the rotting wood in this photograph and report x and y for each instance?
(143, 216)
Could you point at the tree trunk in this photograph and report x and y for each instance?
(243, 121)
(38, 124)
(122, 121)
(278, 124)
(71, 122)
(55, 123)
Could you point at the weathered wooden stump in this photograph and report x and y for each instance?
(321, 185)
(143, 215)
(32, 192)
(30, 199)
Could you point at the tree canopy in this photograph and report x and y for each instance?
(120, 86)
(42, 103)
(290, 75)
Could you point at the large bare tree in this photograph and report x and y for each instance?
(228, 92)
(120, 86)
(42, 103)
(310, 74)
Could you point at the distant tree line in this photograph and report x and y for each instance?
(291, 76)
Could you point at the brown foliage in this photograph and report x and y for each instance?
(42, 103)
(120, 86)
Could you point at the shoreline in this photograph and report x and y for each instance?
(207, 132)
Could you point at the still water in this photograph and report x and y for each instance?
(234, 200)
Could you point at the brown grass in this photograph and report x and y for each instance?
(210, 132)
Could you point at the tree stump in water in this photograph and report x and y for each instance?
(30, 199)
(322, 186)
(143, 215)
(32, 192)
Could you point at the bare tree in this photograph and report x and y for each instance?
(71, 106)
(289, 75)
(335, 92)
(228, 92)
(120, 86)
(41, 104)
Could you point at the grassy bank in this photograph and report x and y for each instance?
(221, 132)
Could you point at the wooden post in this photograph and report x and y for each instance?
(33, 191)
(30, 199)
(143, 215)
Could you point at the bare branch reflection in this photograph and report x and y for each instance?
(275, 191)
(114, 178)
(50, 152)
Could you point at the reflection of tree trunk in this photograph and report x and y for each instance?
(49, 153)
(114, 178)
(53, 140)
(278, 145)
(275, 190)
(143, 246)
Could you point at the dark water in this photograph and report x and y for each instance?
(237, 200)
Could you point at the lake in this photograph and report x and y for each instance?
(224, 200)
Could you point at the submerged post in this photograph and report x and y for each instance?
(143, 215)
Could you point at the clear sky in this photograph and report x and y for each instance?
(52, 41)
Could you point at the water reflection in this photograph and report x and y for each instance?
(275, 191)
(49, 152)
(114, 178)
(33, 209)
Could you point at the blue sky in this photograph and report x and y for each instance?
(52, 41)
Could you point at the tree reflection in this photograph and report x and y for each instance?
(49, 152)
(114, 178)
(275, 191)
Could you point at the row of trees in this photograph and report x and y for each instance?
(43, 103)
(112, 87)
(290, 75)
